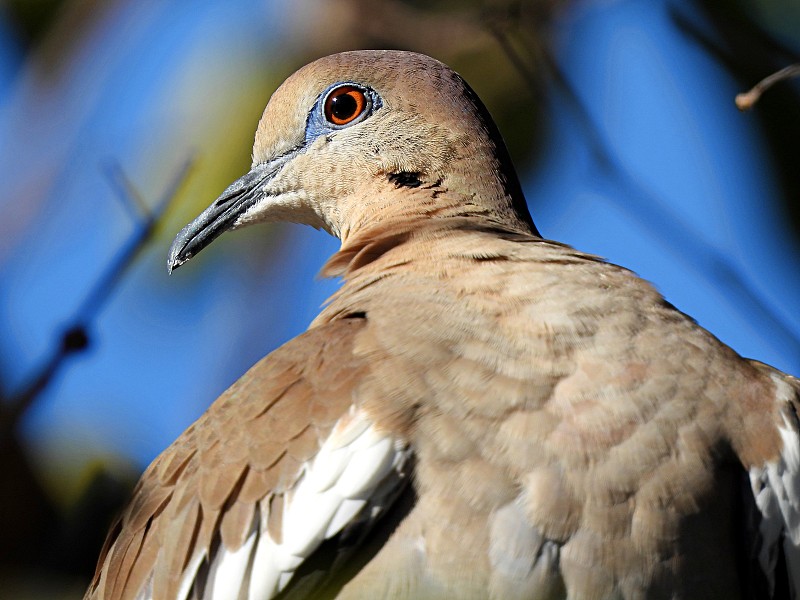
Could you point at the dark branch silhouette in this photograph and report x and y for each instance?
(76, 337)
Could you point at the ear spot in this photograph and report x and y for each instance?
(405, 179)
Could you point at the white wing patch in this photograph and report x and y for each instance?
(353, 478)
(227, 576)
(776, 488)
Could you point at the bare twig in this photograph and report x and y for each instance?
(129, 252)
(498, 33)
(131, 198)
(75, 337)
(747, 100)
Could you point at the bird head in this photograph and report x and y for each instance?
(360, 138)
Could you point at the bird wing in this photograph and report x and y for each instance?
(775, 484)
(286, 459)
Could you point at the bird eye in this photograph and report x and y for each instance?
(345, 104)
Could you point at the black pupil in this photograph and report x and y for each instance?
(343, 106)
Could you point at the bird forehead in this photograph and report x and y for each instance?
(402, 79)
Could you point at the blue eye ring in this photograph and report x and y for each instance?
(319, 121)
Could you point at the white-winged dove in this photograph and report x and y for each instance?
(478, 412)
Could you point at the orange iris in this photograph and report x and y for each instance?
(344, 104)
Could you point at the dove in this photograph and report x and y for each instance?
(478, 412)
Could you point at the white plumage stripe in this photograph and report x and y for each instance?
(327, 466)
(264, 579)
(356, 468)
(348, 509)
(306, 517)
(189, 576)
(230, 571)
(366, 468)
(776, 489)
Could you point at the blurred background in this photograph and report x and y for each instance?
(120, 120)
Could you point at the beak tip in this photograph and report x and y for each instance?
(221, 216)
(177, 255)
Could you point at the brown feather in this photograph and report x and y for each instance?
(205, 481)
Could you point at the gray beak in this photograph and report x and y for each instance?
(221, 215)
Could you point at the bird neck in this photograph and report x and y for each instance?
(385, 223)
(390, 201)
